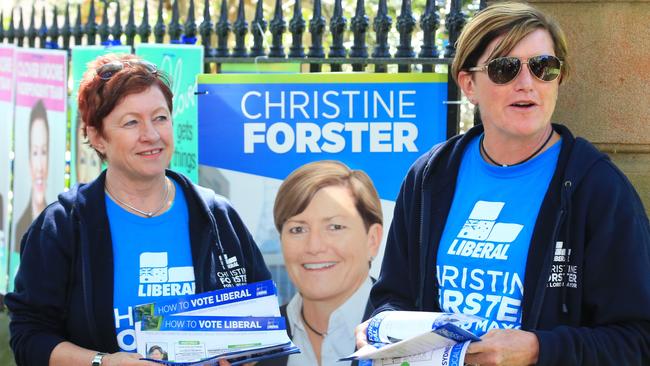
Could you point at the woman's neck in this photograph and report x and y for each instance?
(37, 208)
(316, 315)
(145, 194)
(509, 150)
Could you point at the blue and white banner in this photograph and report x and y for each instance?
(254, 129)
(219, 323)
(7, 92)
(268, 125)
(209, 300)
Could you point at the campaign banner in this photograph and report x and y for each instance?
(196, 338)
(181, 63)
(259, 298)
(254, 129)
(85, 164)
(240, 323)
(6, 125)
(40, 122)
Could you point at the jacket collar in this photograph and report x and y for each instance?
(96, 251)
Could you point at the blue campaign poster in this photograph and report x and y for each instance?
(254, 129)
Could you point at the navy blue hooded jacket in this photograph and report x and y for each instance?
(64, 286)
(590, 207)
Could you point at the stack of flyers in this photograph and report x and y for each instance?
(416, 338)
(241, 324)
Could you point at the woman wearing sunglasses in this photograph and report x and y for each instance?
(519, 222)
(139, 233)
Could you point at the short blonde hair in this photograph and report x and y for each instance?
(512, 20)
(298, 189)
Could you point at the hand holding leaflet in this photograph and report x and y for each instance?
(255, 299)
(241, 324)
(394, 334)
(201, 338)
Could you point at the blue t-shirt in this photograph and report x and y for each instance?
(152, 261)
(482, 255)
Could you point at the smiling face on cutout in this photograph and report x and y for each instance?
(38, 160)
(523, 107)
(327, 248)
(88, 164)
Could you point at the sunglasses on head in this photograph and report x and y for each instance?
(503, 70)
(106, 71)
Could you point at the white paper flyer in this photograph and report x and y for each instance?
(241, 324)
(446, 356)
(197, 338)
(255, 299)
(404, 334)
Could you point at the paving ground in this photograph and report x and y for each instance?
(6, 356)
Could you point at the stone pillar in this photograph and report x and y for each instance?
(607, 99)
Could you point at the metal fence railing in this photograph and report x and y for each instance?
(355, 54)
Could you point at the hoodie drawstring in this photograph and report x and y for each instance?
(567, 241)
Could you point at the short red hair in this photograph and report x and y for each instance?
(97, 97)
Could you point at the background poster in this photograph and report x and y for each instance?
(40, 138)
(6, 124)
(181, 63)
(254, 129)
(85, 165)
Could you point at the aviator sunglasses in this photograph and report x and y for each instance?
(503, 70)
(106, 71)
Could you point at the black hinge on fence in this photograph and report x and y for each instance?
(130, 30)
(258, 28)
(144, 30)
(429, 22)
(66, 29)
(174, 31)
(297, 27)
(189, 27)
(53, 32)
(316, 29)
(222, 29)
(103, 29)
(455, 21)
(360, 23)
(2, 30)
(338, 24)
(381, 25)
(405, 26)
(278, 27)
(91, 26)
(78, 30)
(240, 28)
(205, 30)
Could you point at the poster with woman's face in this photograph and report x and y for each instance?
(40, 139)
(85, 164)
(6, 124)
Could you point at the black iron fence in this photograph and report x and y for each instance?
(218, 48)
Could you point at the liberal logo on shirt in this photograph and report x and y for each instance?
(158, 279)
(482, 236)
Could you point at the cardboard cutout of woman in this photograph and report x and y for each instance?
(39, 133)
(88, 165)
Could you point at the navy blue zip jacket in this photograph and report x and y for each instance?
(64, 286)
(590, 207)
